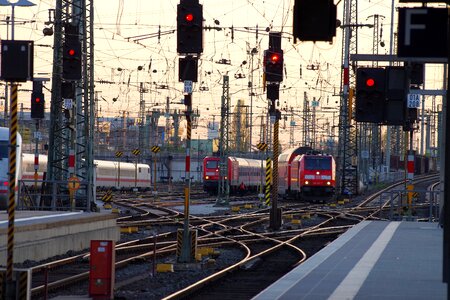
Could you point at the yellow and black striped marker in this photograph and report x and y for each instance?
(12, 183)
(155, 149)
(268, 180)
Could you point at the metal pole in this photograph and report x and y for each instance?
(275, 217)
(12, 190)
(6, 84)
(36, 156)
(118, 173)
(12, 182)
(185, 255)
(446, 187)
(252, 52)
(155, 192)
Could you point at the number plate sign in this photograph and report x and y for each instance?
(413, 100)
(188, 86)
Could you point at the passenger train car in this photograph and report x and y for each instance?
(242, 173)
(285, 160)
(108, 174)
(4, 165)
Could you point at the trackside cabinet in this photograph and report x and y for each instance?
(102, 270)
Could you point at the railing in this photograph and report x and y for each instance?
(47, 195)
(404, 204)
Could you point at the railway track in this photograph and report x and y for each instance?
(245, 238)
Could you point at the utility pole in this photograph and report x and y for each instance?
(250, 84)
(142, 144)
(189, 44)
(347, 149)
(224, 188)
(306, 129)
(291, 129)
(72, 21)
(273, 71)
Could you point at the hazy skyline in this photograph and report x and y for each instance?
(126, 37)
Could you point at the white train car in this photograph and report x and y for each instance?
(123, 176)
(108, 174)
(4, 165)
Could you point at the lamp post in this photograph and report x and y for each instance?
(10, 284)
(13, 5)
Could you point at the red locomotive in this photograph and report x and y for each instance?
(244, 174)
(306, 175)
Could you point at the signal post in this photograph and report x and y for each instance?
(190, 45)
(273, 74)
(16, 66)
(37, 113)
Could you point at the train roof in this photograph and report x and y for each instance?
(29, 157)
(300, 150)
(245, 161)
(289, 154)
(115, 163)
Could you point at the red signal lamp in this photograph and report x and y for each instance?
(275, 58)
(71, 52)
(189, 17)
(370, 82)
(37, 99)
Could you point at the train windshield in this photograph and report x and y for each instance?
(317, 163)
(4, 149)
(212, 164)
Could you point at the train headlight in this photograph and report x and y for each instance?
(206, 177)
(306, 182)
(328, 183)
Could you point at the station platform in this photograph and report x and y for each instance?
(39, 235)
(372, 260)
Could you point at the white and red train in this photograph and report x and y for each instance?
(108, 174)
(302, 174)
(4, 165)
(242, 172)
(306, 175)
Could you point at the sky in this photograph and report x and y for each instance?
(129, 51)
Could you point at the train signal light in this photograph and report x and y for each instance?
(396, 90)
(189, 27)
(72, 56)
(188, 68)
(37, 105)
(189, 17)
(314, 20)
(273, 65)
(370, 95)
(370, 82)
(72, 60)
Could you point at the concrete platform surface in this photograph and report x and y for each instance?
(372, 260)
(42, 234)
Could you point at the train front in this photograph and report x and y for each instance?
(4, 165)
(211, 174)
(317, 178)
